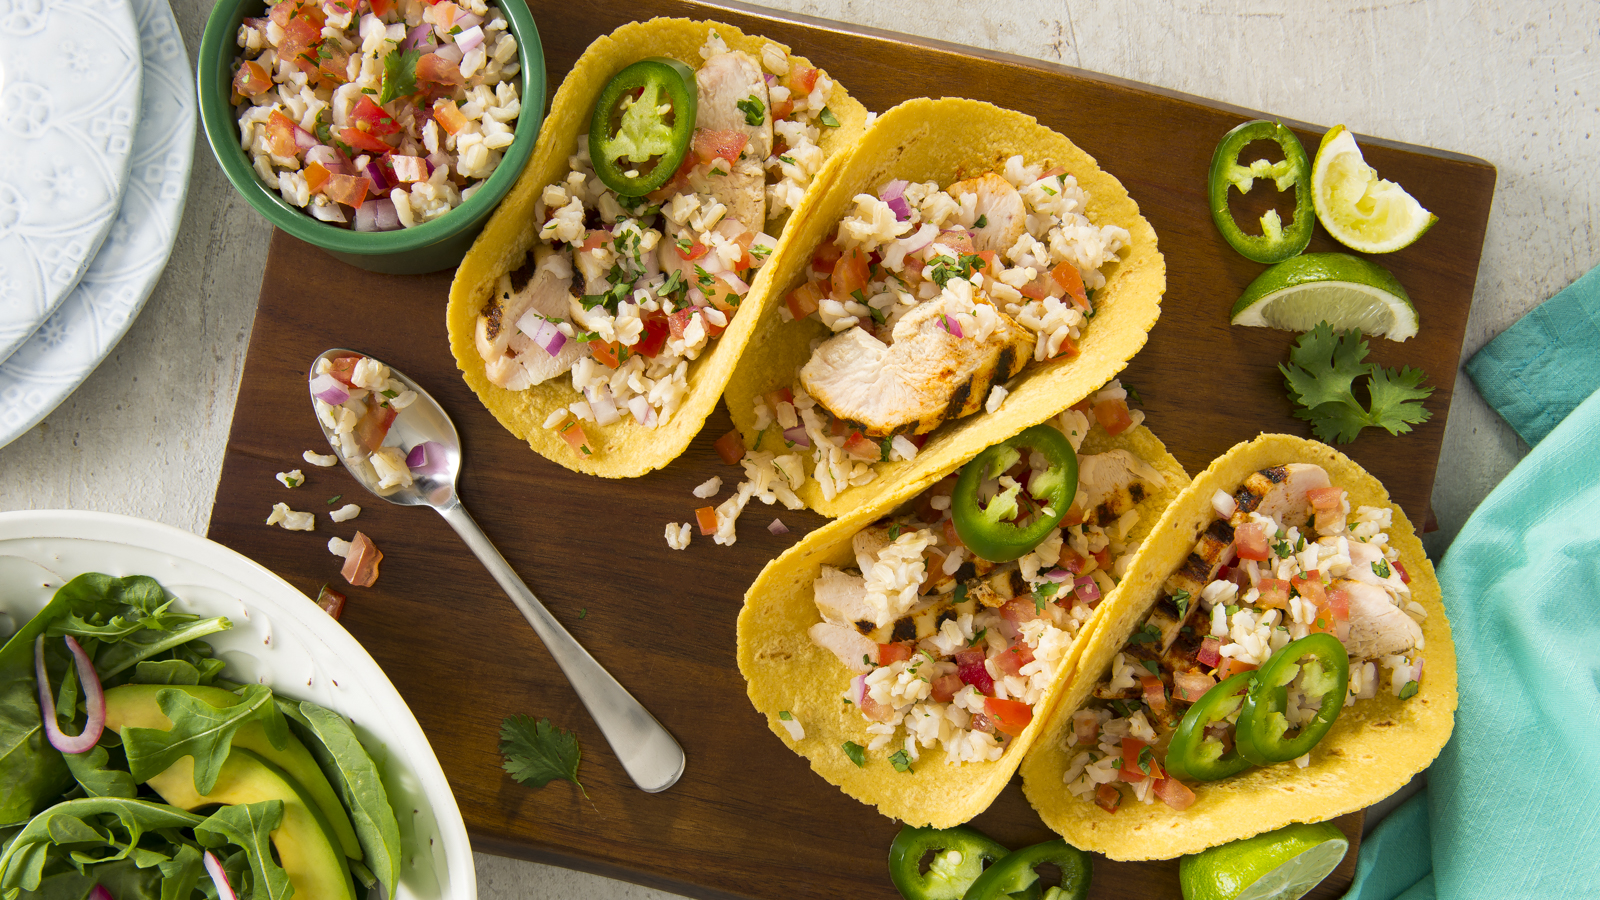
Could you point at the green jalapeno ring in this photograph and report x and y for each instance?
(1190, 754)
(1015, 874)
(980, 528)
(944, 880)
(1276, 243)
(625, 133)
(1259, 734)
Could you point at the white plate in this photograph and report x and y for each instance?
(69, 106)
(279, 638)
(59, 356)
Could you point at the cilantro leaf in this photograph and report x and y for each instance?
(399, 74)
(827, 118)
(538, 752)
(754, 110)
(1321, 378)
(900, 761)
(856, 752)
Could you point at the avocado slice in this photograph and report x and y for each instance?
(303, 841)
(134, 706)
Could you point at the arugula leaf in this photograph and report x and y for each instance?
(202, 731)
(1321, 378)
(181, 873)
(87, 824)
(537, 752)
(249, 827)
(98, 778)
(399, 74)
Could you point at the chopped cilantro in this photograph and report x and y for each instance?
(684, 244)
(1133, 394)
(754, 110)
(827, 118)
(583, 613)
(1408, 691)
(884, 446)
(1181, 600)
(978, 638)
(900, 761)
(760, 251)
(1381, 567)
(1321, 374)
(399, 75)
(784, 715)
(983, 222)
(1147, 759)
(894, 532)
(324, 128)
(787, 159)
(961, 593)
(334, 499)
(1050, 191)
(1152, 665)
(1147, 634)
(391, 394)
(866, 660)
(856, 752)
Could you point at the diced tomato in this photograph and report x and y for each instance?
(444, 14)
(678, 322)
(372, 118)
(363, 141)
(858, 446)
(710, 144)
(280, 134)
(348, 189)
(1274, 593)
(1074, 516)
(596, 239)
(1013, 658)
(1174, 793)
(1107, 797)
(696, 251)
(435, 69)
(1309, 584)
(850, 275)
(1131, 770)
(825, 257)
(654, 337)
(722, 296)
(706, 518)
(957, 239)
(969, 665)
(572, 433)
(332, 69)
(1325, 497)
(991, 263)
(889, 654)
(1208, 655)
(948, 533)
(981, 722)
(1191, 686)
(945, 688)
(782, 109)
(1072, 561)
(1231, 666)
(449, 116)
(1155, 693)
(801, 79)
(1010, 716)
(730, 447)
(1041, 287)
(381, 7)
(1250, 542)
(804, 300)
(1102, 558)
(1337, 602)
(1066, 275)
(610, 354)
(679, 181)
(1069, 348)
(251, 79)
(361, 565)
(301, 39)
(1405, 577)
(374, 424)
(331, 601)
(316, 176)
(746, 261)
(1017, 611)
(1085, 728)
(343, 368)
(773, 398)
(1113, 416)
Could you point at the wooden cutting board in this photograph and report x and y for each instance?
(749, 819)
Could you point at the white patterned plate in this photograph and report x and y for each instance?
(51, 364)
(69, 103)
(279, 638)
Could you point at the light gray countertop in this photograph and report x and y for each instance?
(1513, 83)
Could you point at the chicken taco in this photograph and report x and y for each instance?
(912, 650)
(595, 316)
(965, 273)
(1279, 653)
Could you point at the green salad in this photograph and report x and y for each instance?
(131, 769)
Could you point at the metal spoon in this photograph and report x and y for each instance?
(652, 758)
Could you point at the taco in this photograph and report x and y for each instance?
(918, 686)
(595, 314)
(965, 273)
(1283, 555)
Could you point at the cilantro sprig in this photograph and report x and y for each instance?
(1321, 377)
(537, 753)
(399, 74)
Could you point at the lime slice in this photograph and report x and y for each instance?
(1361, 210)
(1343, 290)
(1279, 865)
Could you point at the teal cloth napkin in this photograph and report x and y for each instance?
(1513, 802)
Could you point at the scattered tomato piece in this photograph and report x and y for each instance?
(573, 434)
(730, 447)
(361, 566)
(706, 518)
(1113, 416)
(449, 116)
(804, 300)
(331, 601)
(1010, 716)
(1107, 797)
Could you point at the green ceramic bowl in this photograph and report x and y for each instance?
(435, 245)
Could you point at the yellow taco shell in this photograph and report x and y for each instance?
(1374, 748)
(943, 141)
(623, 449)
(785, 671)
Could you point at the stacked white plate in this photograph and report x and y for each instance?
(97, 123)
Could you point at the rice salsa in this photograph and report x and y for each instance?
(376, 114)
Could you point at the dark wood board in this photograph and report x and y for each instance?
(749, 819)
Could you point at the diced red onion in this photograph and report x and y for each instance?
(417, 38)
(858, 688)
(1057, 575)
(437, 160)
(1087, 588)
(468, 20)
(450, 53)
(893, 194)
(643, 412)
(388, 219)
(219, 877)
(902, 209)
(305, 140)
(797, 435)
(94, 699)
(738, 284)
(777, 527)
(602, 404)
(1224, 504)
(380, 179)
(542, 332)
(99, 892)
(771, 78)
(469, 39)
(951, 326)
(426, 458)
(329, 389)
(696, 298)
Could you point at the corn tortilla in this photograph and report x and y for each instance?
(1374, 748)
(785, 671)
(623, 449)
(944, 141)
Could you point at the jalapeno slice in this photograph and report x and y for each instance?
(1190, 754)
(642, 125)
(959, 855)
(987, 530)
(1275, 243)
(1262, 723)
(1016, 874)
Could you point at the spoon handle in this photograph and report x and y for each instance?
(649, 753)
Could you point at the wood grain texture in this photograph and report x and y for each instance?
(749, 819)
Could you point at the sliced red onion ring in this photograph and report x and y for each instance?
(777, 527)
(426, 458)
(797, 435)
(602, 404)
(93, 697)
(219, 877)
(1088, 589)
(469, 39)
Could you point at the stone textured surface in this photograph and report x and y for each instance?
(1513, 83)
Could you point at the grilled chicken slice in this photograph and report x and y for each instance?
(868, 543)
(1279, 493)
(1211, 552)
(1377, 626)
(925, 377)
(842, 599)
(511, 359)
(852, 649)
(1000, 208)
(723, 82)
(1113, 483)
(1363, 558)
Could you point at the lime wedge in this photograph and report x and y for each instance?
(1361, 210)
(1279, 865)
(1343, 290)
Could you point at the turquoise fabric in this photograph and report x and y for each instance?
(1513, 802)
(1540, 369)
